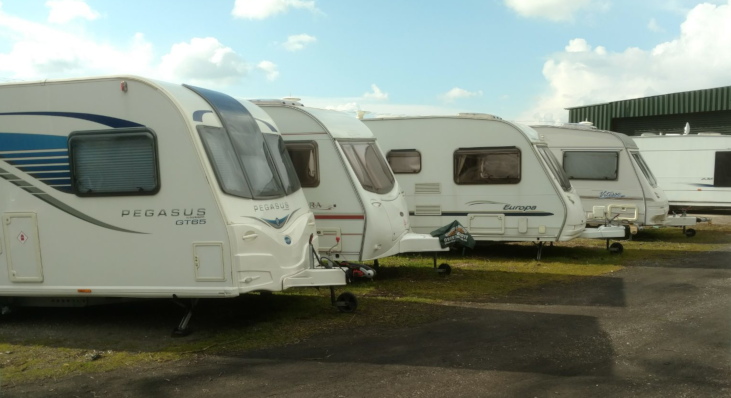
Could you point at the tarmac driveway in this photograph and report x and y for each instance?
(662, 329)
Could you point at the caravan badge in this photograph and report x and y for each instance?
(521, 208)
(272, 206)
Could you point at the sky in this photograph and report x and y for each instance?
(522, 60)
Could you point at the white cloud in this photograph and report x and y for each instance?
(63, 11)
(270, 69)
(40, 51)
(697, 59)
(262, 9)
(204, 60)
(654, 26)
(376, 94)
(458, 93)
(298, 42)
(554, 10)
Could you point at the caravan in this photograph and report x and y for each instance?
(122, 187)
(612, 178)
(360, 210)
(694, 170)
(493, 176)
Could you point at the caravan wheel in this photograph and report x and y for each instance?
(690, 232)
(444, 269)
(616, 248)
(347, 302)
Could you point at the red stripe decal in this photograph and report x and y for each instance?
(339, 217)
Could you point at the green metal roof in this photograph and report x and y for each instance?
(713, 99)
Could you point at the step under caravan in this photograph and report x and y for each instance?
(495, 177)
(359, 207)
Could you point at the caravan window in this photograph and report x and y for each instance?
(369, 165)
(226, 166)
(644, 168)
(500, 165)
(591, 165)
(722, 171)
(249, 171)
(114, 162)
(555, 167)
(283, 162)
(404, 161)
(305, 160)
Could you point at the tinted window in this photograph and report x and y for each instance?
(555, 168)
(591, 165)
(226, 166)
(283, 162)
(406, 161)
(644, 168)
(487, 166)
(114, 162)
(369, 166)
(305, 161)
(722, 171)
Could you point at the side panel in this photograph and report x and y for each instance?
(23, 249)
(526, 211)
(685, 168)
(111, 245)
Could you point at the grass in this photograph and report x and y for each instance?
(57, 343)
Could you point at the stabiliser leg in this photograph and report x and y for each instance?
(182, 329)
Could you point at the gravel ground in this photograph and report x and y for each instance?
(656, 329)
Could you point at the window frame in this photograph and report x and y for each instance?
(112, 134)
(484, 151)
(403, 153)
(361, 170)
(616, 168)
(313, 148)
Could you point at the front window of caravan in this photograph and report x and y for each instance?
(645, 169)
(304, 159)
(114, 162)
(500, 165)
(591, 165)
(283, 162)
(369, 166)
(555, 168)
(243, 164)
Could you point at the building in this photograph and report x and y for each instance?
(704, 110)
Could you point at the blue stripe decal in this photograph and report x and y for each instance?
(40, 175)
(24, 155)
(38, 161)
(30, 169)
(109, 121)
(31, 142)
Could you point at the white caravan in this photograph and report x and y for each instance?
(610, 175)
(694, 170)
(360, 210)
(125, 187)
(493, 176)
